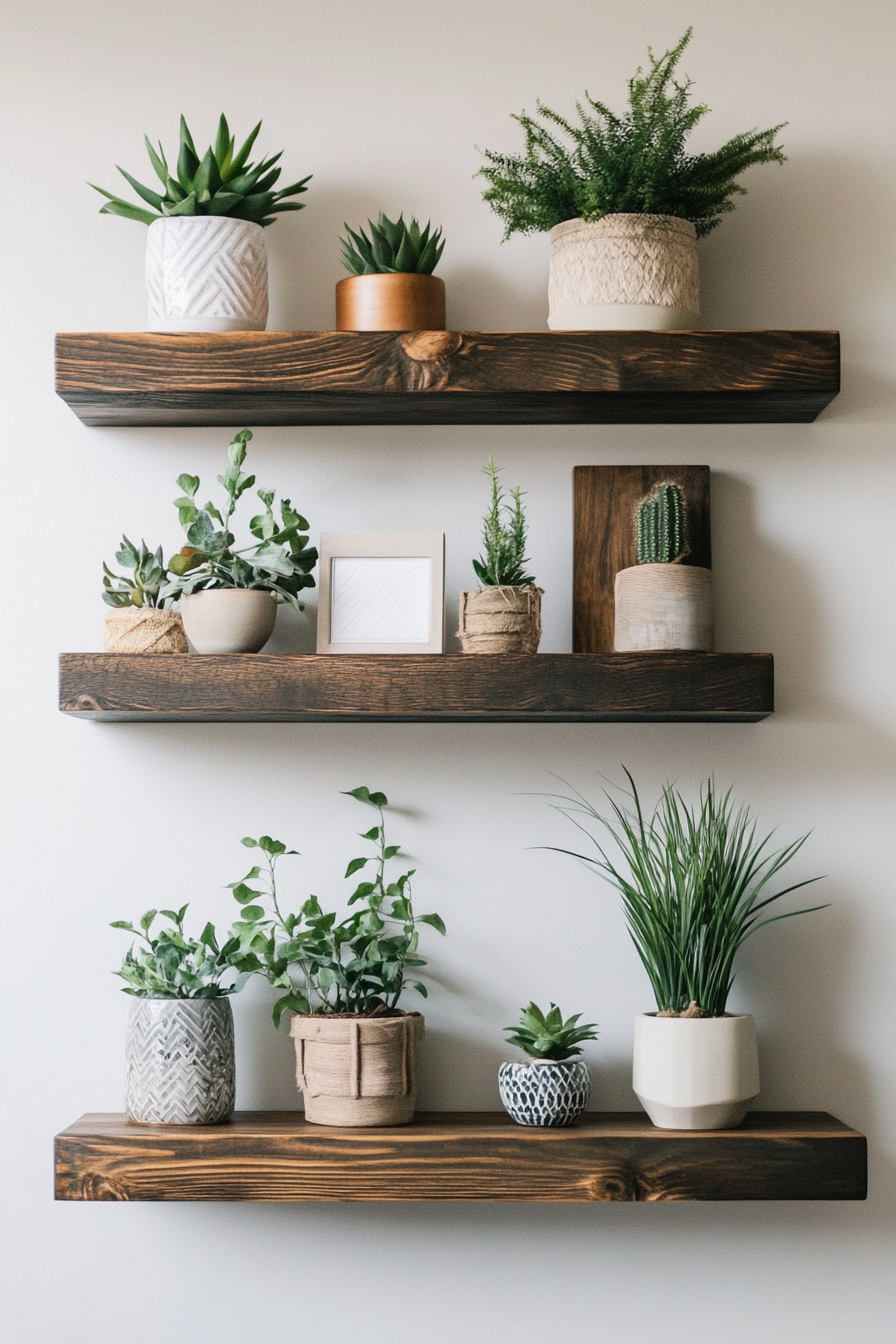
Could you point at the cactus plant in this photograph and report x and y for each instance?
(662, 526)
(396, 248)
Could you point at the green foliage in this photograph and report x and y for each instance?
(144, 588)
(630, 164)
(279, 561)
(662, 527)
(173, 966)
(547, 1036)
(504, 538)
(326, 965)
(693, 888)
(391, 248)
(222, 182)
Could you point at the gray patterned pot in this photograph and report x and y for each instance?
(180, 1067)
(544, 1092)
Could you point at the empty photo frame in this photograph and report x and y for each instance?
(381, 592)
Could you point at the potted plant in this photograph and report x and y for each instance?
(504, 615)
(228, 597)
(694, 883)
(391, 286)
(139, 621)
(356, 1048)
(206, 262)
(179, 1044)
(660, 602)
(553, 1086)
(623, 201)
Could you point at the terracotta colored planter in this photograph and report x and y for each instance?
(357, 1070)
(143, 630)
(395, 302)
(664, 607)
(695, 1073)
(229, 620)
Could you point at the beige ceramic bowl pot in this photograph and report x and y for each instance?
(229, 620)
(664, 607)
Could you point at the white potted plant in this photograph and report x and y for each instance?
(623, 200)
(553, 1085)
(206, 261)
(139, 620)
(391, 286)
(662, 603)
(228, 597)
(356, 1049)
(504, 614)
(694, 883)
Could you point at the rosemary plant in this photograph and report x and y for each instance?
(503, 537)
(546, 1035)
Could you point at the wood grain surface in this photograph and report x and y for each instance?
(605, 501)
(456, 1156)
(421, 688)
(446, 377)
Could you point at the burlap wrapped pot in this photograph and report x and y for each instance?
(143, 630)
(500, 620)
(358, 1071)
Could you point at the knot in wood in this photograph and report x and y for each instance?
(430, 347)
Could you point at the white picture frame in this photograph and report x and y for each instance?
(381, 592)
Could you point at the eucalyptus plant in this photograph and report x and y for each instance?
(173, 966)
(148, 577)
(503, 538)
(547, 1036)
(392, 248)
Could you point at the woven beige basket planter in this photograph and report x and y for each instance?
(358, 1071)
(500, 620)
(143, 630)
(635, 272)
(664, 607)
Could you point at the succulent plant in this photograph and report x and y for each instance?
(547, 1036)
(392, 248)
(148, 578)
(222, 182)
(662, 526)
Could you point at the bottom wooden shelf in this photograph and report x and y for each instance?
(447, 1156)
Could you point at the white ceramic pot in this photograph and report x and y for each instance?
(695, 1072)
(206, 273)
(229, 620)
(180, 1062)
(664, 607)
(635, 272)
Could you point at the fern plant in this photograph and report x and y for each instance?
(662, 527)
(392, 248)
(504, 538)
(547, 1036)
(630, 164)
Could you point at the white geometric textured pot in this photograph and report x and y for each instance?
(695, 1072)
(180, 1066)
(229, 620)
(206, 273)
(624, 272)
(357, 1071)
(143, 630)
(665, 606)
(545, 1091)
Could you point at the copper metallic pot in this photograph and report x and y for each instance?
(391, 302)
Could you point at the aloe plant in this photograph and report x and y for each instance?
(548, 1036)
(662, 526)
(222, 182)
(392, 248)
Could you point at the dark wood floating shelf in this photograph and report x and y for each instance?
(418, 688)
(617, 1157)
(446, 377)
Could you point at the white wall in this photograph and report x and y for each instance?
(384, 104)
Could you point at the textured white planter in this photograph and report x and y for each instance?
(695, 1072)
(180, 1064)
(143, 630)
(631, 272)
(206, 273)
(229, 620)
(358, 1070)
(545, 1091)
(664, 607)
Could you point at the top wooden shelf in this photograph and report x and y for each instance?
(447, 377)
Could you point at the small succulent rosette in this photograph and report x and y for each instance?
(545, 1091)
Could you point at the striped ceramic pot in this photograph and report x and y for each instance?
(545, 1092)
(180, 1064)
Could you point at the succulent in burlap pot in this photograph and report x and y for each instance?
(504, 615)
(553, 1085)
(139, 621)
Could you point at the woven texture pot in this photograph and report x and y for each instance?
(229, 620)
(143, 630)
(545, 1092)
(358, 1070)
(180, 1067)
(664, 607)
(500, 620)
(206, 273)
(399, 302)
(624, 272)
(695, 1072)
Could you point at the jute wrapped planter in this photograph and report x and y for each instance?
(695, 1073)
(358, 1070)
(664, 607)
(500, 620)
(635, 272)
(143, 630)
(206, 273)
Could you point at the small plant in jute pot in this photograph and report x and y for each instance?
(391, 286)
(504, 615)
(179, 1044)
(623, 201)
(553, 1086)
(694, 881)
(356, 1049)
(662, 603)
(206, 262)
(139, 620)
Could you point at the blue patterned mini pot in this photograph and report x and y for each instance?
(545, 1092)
